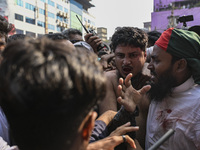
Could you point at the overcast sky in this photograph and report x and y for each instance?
(114, 13)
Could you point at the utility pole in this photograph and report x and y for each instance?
(172, 18)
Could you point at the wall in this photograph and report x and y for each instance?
(159, 20)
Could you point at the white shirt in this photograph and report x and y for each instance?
(5, 146)
(181, 112)
(4, 128)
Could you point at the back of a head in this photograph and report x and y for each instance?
(46, 91)
(17, 37)
(70, 32)
(195, 29)
(57, 36)
(129, 36)
(5, 27)
(153, 36)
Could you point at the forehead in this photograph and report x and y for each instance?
(127, 49)
(76, 37)
(160, 53)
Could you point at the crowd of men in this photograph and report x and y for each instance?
(62, 91)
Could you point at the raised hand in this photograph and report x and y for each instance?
(124, 129)
(128, 96)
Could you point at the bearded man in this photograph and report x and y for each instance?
(174, 93)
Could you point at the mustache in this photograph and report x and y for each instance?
(153, 73)
(127, 66)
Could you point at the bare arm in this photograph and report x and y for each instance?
(109, 102)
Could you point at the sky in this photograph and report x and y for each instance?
(117, 13)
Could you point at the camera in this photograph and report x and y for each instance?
(185, 19)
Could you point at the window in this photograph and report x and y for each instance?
(30, 20)
(40, 23)
(19, 17)
(59, 18)
(59, 7)
(30, 7)
(50, 26)
(65, 20)
(18, 31)
(20, 3)
(58, 28)
(41, 11)
(51, 15)
(66, 10)
(51, 3)
(43, 1)
(40, 35)
(30, 33)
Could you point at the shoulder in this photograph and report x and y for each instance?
(112, 76)
(112, 79)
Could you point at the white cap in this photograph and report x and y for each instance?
(84, 44)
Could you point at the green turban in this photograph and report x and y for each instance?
(183, 44)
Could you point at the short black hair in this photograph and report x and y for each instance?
(153, 36)
(129, 36)
(57, 36)
(15, 37)
(195, 29)
(46, 90)
(5, 27)
(70, 31)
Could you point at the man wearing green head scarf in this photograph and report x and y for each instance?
(174, 93)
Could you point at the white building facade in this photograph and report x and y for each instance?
(39, 17)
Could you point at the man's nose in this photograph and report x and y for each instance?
(150, 66)
(127, 61)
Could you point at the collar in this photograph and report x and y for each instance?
(185, 86)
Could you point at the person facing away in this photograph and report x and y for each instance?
(5, 28)
(174, 93)
(48, 91)
(129, 45)
(75, 35)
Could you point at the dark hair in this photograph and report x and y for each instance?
(129, 36)
(57, 36)
(153, 36)
(5, 27)
(16, 37)
(195, 29)
(46, 90)
(71, 31)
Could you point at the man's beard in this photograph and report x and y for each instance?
(163, 87)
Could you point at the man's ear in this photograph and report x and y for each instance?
(181, 65)
(88, 125)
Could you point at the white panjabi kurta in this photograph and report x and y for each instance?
(181, 112)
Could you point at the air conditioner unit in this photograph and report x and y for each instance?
(63, 24)
(66, 25)
(60, 23)
(60, 13)
(63, 13)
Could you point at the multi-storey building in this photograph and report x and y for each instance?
(38, 17)
(167, 13)
(102, 33)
